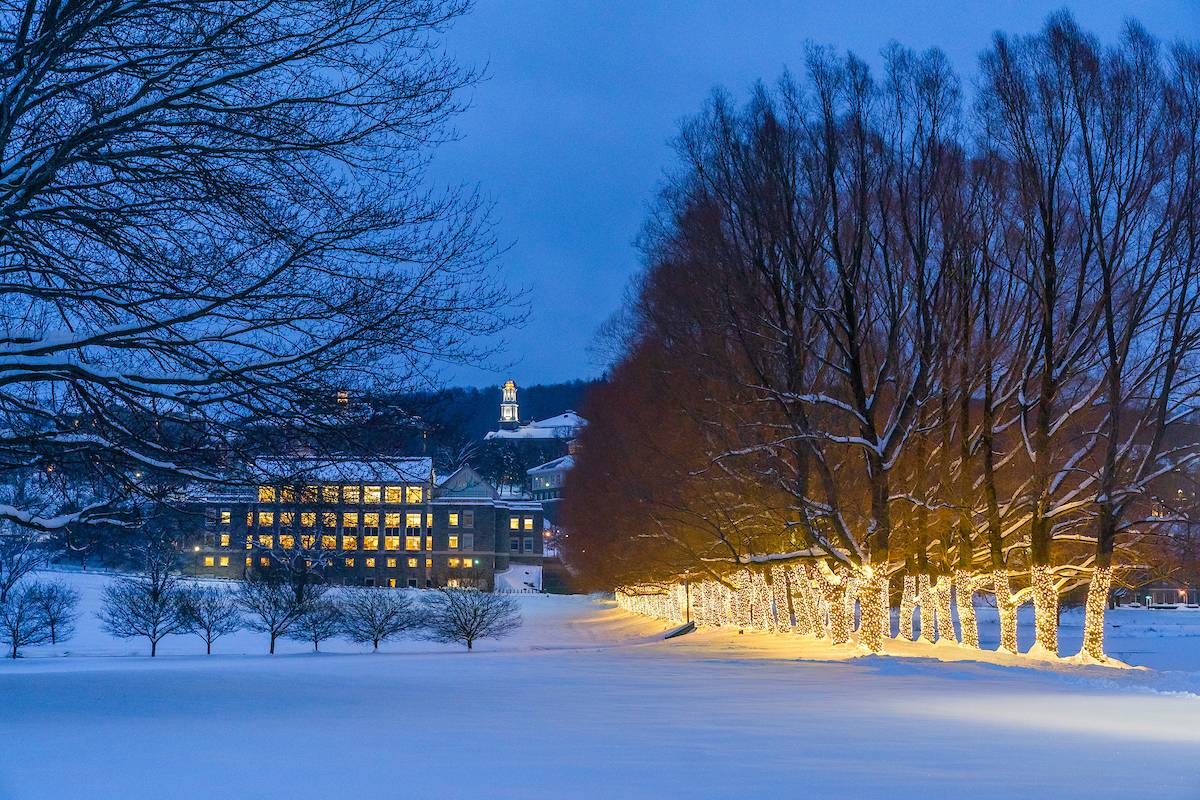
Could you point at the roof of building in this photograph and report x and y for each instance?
(562, 426)
(346, 470)
(465, 482)
(558, 464)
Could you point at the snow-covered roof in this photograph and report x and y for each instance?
(346, 470)
(567, 419)
(563, 426)
(561, 463)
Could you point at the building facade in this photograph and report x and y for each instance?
(384, 522)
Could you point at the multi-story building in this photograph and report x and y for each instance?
(382, 522)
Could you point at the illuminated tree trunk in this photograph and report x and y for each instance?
(1006, 609)
(1045, 610)
(841, 620)
(1097, 604)
(928, 602)
(908, 605)
(779, 595)
(942, 589)
(964, 593)
(805, 604)
(872, 598)
(761, 616)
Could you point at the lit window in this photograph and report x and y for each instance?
(307, 541)
(266, 541)
(529, 523)
(249, 541)
(329, 542)
(371, 522)
(266, 494)
(264, 562)
(224, 561)
(412, 520)
(428, 563)
(371, 494)
(350, 521)
(391, 583)
(249, 561)
(391, 521)
(249, 519)
(351, 494)
(226, 517)
(308, 519)
(413, 494)
(370, 543)
(412, 542)
(393, 494)
(287, 541)
(224, 540)
(329, 494)
(429, 520)
(287, 494)
(328, 519)
(266, 519)
(391, 543)
(391, 562)
(513, 523)
(286, 518)
(453, 543)
(467, 563)
(309, 494)
(349, 562)
(370, 563)
(208, 561)
(453, 562)
(349, 543)
(429, 543)
(453, 519)
(412, 563)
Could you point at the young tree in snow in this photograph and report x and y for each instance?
(21, 553)
(371, 616)
(148, 605)
(22, 622)
(59, 603)
(322, 620)
(271, 604)
(467, 615)
(210, 612)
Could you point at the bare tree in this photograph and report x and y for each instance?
(59, 603)
(147, 605)
(320, 621)
(376, 615)
(210, 613)
(21, 553)
(217, 214)
(271, 604)
(22, 622)
(466, 615)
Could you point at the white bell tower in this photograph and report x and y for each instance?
(509, 414)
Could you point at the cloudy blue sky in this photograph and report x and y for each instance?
(569, 136)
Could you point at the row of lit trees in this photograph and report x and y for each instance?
(903, 343)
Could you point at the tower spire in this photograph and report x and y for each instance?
(509, 413)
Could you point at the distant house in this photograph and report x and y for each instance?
(377, 522)
(546, 482)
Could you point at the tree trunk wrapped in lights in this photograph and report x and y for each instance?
(805, 605)
(1006, 609)
(872, 597)
(760, 602)
(1093, 624)
(908, 605)
(836, 589)
(964, 592)
(779, 596)
(942, 590)
(1045, 610)
(928, 601)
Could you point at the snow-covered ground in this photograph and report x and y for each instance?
(589, 702)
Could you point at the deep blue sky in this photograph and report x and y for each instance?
(569, 135)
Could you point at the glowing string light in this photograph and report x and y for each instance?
(1093, 624)
(964, 593)
(908, 604)
(1045, 610)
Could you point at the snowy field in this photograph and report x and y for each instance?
(589, 702)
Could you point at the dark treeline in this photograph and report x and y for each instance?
(885, 338)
